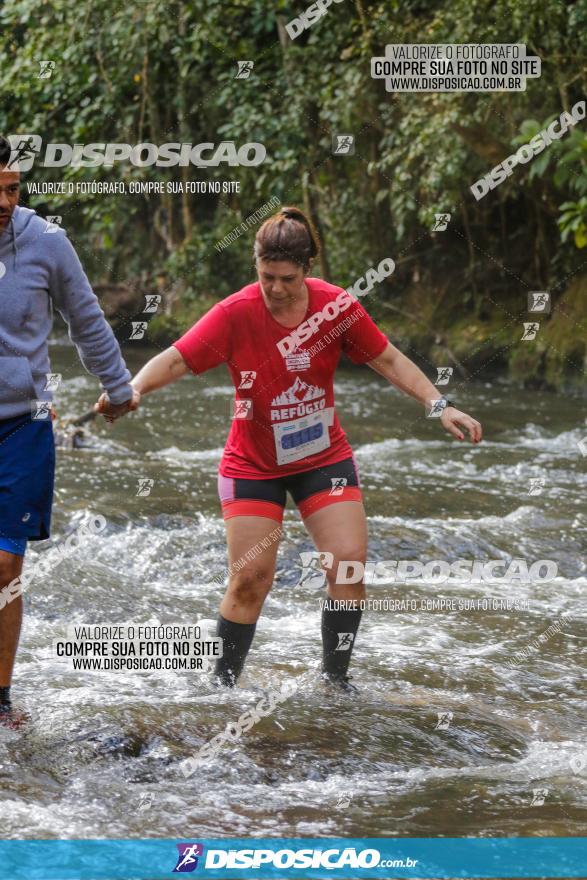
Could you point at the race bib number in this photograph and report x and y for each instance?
(302, 437)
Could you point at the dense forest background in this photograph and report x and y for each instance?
(166, 71)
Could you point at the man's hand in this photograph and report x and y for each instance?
(113, 411)
(452, 420)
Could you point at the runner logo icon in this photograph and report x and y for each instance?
(41, 410)
(24, 149)
(46, 68)
(152, 302)
(437, 407)
(187, 860)
(313, 568)
(244, 69)
(539, 301)
(145, 486)
(345, 640)
(53, 381)
(343, 144)
(444, 374)
(530, 330)
(444, 719)
(53, 223)
(441, 222)
(242, 409)
(138, 329)
(247, 378)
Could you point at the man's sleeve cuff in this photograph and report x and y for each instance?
(121, 394)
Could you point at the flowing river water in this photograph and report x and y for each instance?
(467, 723)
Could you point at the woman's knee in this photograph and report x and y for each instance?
(250, 587)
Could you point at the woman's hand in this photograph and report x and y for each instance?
(113, 411)
(453, 420)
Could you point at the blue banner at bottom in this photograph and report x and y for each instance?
(257, 858)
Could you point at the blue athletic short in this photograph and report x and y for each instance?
(27, 473)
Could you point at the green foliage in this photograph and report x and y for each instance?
(573, 219)
(164, 70)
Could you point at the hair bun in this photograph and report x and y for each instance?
(295, 241)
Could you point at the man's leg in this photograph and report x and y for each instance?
(252, 551)
(340, 529)
(10, 621)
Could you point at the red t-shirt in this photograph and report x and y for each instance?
(284, 420)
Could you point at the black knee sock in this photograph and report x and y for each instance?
(237, 638)
(340, 622)
(4, 696)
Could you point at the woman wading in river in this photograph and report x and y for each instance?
(281, 338)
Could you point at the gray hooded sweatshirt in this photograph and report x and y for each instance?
(39, 271)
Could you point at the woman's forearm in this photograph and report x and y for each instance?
(405, 375)
(161, 370)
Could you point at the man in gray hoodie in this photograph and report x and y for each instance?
(39, 271)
